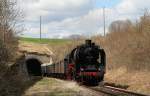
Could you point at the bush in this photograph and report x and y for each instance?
(8, 22)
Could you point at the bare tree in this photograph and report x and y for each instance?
(145, 22)
(121, 26)
(9, 22)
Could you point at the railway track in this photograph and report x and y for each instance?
(112, 91)
(106, 90)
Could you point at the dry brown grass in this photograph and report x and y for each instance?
(137, 81)
(129, 49)
(60, 51)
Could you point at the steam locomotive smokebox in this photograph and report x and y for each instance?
(88, 42)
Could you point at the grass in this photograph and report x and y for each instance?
(66, 92)
(45, 40)
(52, 87)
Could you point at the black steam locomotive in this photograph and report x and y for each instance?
(85, 63)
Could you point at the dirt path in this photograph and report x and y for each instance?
(56, 87)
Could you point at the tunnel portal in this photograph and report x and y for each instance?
(33, 67)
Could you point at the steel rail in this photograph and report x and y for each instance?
(113, 91)
(125, 91)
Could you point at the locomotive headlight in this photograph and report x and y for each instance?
(82, 69)
(99, 69)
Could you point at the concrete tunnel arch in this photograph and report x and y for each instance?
(34, 67)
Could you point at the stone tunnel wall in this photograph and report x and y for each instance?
(40, 58)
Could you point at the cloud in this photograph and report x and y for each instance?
(132, 9)
(61, 18)
(56, 10)
(81, 25)
(133, 6)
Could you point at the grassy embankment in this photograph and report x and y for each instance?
(44, 41)
(60, 47)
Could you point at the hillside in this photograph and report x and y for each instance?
(44, 40)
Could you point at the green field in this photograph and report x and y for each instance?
(44, 40)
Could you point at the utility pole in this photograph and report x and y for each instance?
(104, 22)
(40, 28)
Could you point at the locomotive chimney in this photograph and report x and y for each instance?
(93, 44)
(88, 42)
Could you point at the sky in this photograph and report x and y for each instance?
(62, 18)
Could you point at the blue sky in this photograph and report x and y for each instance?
(106, 3)
(62, 18)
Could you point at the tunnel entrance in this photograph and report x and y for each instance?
(34, 67)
